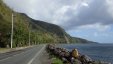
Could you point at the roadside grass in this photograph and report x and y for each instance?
(56, 61)
(2, 50)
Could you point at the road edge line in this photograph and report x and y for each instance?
(30, 62)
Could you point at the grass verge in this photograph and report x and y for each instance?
(56, 61)
(3, 50)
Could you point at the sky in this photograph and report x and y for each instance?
(88, 19)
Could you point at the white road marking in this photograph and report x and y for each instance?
(30, 62)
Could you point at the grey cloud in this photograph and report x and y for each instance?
(97, 12)
(75, 15)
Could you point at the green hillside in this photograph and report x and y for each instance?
(40, 32)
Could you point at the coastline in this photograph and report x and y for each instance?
(86, 57)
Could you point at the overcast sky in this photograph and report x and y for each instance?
(88, 19)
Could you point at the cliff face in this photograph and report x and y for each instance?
(25, 27)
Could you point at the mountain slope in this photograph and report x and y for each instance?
(29, 30)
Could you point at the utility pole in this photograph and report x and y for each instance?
(35, 39)
(12, 30)
(29, 36)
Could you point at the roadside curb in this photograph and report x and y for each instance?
(14, 49)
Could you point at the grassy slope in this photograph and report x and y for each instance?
(22, 25)
(40, 32)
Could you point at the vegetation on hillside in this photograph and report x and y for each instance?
(25, 27)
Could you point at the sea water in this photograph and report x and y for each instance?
(98, 52)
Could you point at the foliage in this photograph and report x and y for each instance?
(39, 31)
(57, 61)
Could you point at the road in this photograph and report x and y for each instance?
(27, 56)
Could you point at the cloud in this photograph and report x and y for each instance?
(67, 14)
(96, 12)
(110, 6)
(85, 4)
(72, 13)
(93, 30)
(39, 9)
(97, 26)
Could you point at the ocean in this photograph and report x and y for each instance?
(102, 52)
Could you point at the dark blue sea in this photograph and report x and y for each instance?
(102, 52)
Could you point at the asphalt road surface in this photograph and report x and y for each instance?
(27, 56)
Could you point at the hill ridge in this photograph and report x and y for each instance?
(24, 26)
